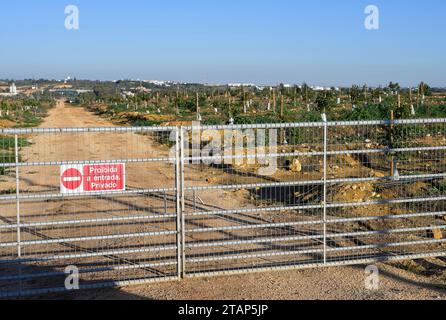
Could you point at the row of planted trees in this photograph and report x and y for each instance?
(218, 105)
(24, 111)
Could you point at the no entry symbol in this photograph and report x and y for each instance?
(71, 179)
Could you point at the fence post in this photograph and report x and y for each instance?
(183, 208)
(325, 187)
(19, 248)
(17, 181)
(391, 133)
(178, 201)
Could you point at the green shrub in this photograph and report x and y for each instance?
(256, 119)
(366, 113)
(6, 157)
(309, 116)
(8, 142)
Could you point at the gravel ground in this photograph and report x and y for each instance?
(338, 283)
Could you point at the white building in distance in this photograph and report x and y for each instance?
(238, 85)
(13, 89)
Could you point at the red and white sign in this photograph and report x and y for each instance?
(71, 179)
(92, 178)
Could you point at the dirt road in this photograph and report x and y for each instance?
(340, 283)
(330, 283)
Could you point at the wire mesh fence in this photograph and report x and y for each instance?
(333, 193)
(206, 200)
(112, 235)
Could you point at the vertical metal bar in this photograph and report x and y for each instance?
(182, 211)
(325, 189)
(195, 201)
(178, 202)
(17, 187)
(165, 201)
(391, 133)
(17, 181)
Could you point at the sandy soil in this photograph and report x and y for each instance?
(330, 283)
(339, 283)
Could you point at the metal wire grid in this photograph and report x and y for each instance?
(339, 193)
(111, 237)
(400, 212)
(342, 193)
(245, 219)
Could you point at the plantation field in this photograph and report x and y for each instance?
(271, 105)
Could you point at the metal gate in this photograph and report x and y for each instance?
(108, 237)
(331, 193)
(210, 200)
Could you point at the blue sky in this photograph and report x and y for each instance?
(263, 41)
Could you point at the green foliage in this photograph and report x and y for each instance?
(137, 121)
(369, 112)
(7, 154)
(232, 110)
(325, 101)
(31, 120)
(394, 86)
(6, 157)
(25, 112)
(309, 116)
(431, 111)
(187, 105)
(424, 89)
(8, 142)
(256, 119)
(356, 95)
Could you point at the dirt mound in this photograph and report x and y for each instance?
(6, 123)
(177, 123)
(416, 188)
(359, 192)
